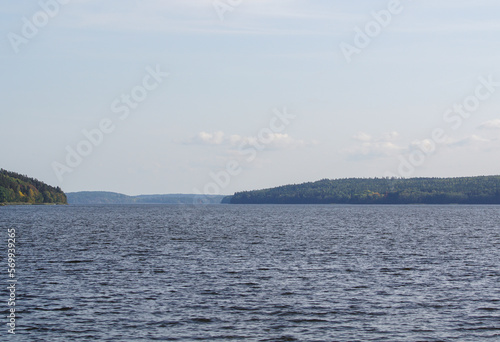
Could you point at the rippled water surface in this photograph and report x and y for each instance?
(254, 273)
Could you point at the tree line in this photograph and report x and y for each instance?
(461, 190)
(17, 188)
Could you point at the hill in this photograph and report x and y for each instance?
(21, 189)
(103, 197)
(463, 190)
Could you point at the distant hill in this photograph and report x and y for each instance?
(21, 189)
(98, 197)
(463, 190)
(103, 197)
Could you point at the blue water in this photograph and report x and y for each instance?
(254, 273)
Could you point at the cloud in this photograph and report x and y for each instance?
(492, 124)
(426, 145)
(362, 136)
(234, 141)
(273, 141)
(389, 145)
(216, 138)
(256, 17)
(390, 136)
(468, 141)
(372, 147)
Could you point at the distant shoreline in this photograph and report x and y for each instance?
(4, 204)
(106, 197)
(380, 191)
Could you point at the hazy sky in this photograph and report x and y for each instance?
(259, 93)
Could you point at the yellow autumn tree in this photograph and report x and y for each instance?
(31, 196)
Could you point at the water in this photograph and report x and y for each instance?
(254, 273)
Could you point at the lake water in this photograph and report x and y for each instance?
(253, 273)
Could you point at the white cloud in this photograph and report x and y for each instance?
(371, 147)
(468, 141)
(284, 141)
(362, 136)
(492, 124)
(390, 136)
(388, 145)
(216, 138)
(256, 17)
(234, 141)
(425, 145)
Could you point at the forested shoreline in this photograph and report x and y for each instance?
(21, 189)
(460, 190)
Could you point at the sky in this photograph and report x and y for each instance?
(220, 96)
